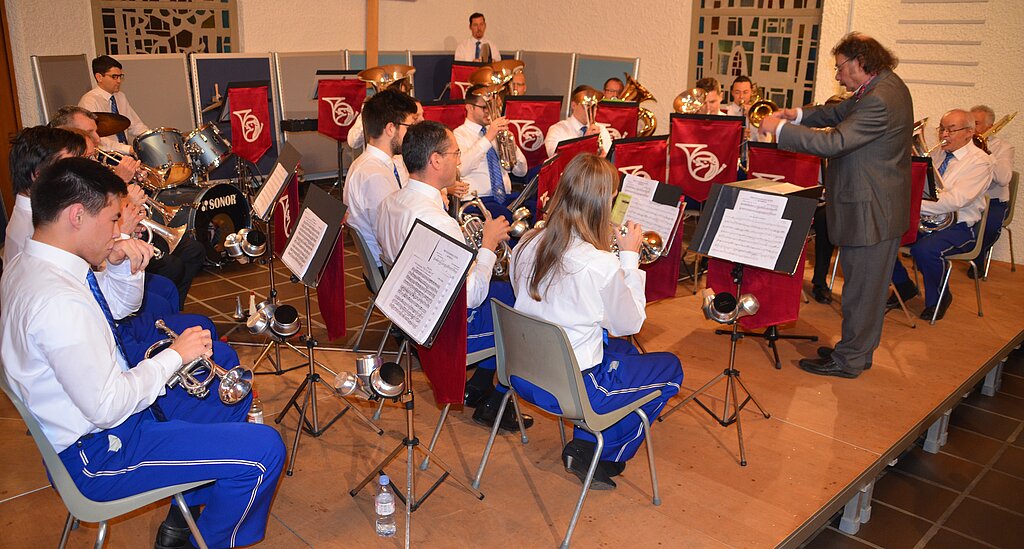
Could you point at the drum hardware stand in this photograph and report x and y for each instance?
(771, 335)
(732, 380)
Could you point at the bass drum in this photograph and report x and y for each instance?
(211, 213)
(163, 149)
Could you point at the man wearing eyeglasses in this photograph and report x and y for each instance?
(108, 97)
(866, 140)
(966, 173)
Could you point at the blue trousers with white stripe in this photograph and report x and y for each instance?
(202, 440)
(928, 252)
(480, 322)
(622, 377)
(160, 296)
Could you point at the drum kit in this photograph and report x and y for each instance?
(175, 173)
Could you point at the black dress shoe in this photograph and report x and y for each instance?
(906, 290)
(577, 461)
(927, 313)
(474, 396)
(173, 537)
(826, 353)
(488, 410)
(970, 272)
(826, 367)
(822, 294)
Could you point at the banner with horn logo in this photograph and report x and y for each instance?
(250, 122)
(767, 161)
(618, 117)
(450, 113)
(339, 104)
(703, 149)
(286, 214)
(529, 118)
(459, 82)
(552, 169)
(641, 156)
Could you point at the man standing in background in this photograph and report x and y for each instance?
(477, 48)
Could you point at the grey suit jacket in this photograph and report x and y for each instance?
(867, 142)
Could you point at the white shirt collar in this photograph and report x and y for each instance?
(576, 124)
(63, 259)
(427, 191)
(102, 92)
(380, 155)
(23, 202)
(962, 151)
(472, 126)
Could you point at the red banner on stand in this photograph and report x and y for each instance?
(450, 113)
(445, 361)
(919, 169)
(620, 117)
(767, 161)
(552, 172)
(459, 82)
(529, 119)
(286, 215)
(332, 289)
(642, 156)
(339, 103)
(778, 293)
(703, 149)
(250, 122)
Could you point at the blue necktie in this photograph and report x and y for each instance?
(477, 56)
(121, 138)
(583, 131)
(945, 163)
(397, 178)
(90, 277)
(494, 171)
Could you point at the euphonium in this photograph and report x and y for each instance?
(473, 230)
(505, 141)
(937, 222)
(689, 101)
(651, 246)
(634, 91)
(235, 383)
(982, 140)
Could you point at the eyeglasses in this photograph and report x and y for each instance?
(119, 76)
(456, 152)
(482, 107)
(839, 66)
(942, 129)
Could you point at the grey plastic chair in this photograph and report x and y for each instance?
(83, 508)
(373, 276)
(1012, 205)
(969, 256)
(539, 352)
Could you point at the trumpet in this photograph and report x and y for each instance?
(651, 246)
(235, 383)
(760, 109)
(473, 230)
(148, 177)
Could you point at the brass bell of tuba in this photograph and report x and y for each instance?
(387, 76)
(690, 101)
(473, 230)
(634, 91)
(235, 383)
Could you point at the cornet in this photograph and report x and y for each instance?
(235, 383)
(171, 235)
(651, 246)
(473, 231)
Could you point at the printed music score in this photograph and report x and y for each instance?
(308, 234)
(636, 202)
(270, 191)
(753, 231)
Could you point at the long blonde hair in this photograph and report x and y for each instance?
(581, 206)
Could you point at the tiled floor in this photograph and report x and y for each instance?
(970, 494)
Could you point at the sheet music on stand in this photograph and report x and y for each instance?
(652, 204)
(280, 175)
(419, 290)
(315, 234)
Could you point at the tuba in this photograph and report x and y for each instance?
(690, 101)
(235, 383)
(634, 91)
(473, 230)
(388, 76)
(651, 246)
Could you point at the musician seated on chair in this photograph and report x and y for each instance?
(575, 125)
(186, 261)
(966, 172)
(432, 154)
(565, 274)
(477, 48)
(481, 163)
(108, 97)
(1002, 172)
(712, 96)
(63, 360)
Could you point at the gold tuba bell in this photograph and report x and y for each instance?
(634, 91)
(690, 101)
(388, 76)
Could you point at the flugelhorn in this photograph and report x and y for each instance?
(504, 140)
(235, 383)
(651, 246)
(171, 235)
(473, 231)
(634, 91)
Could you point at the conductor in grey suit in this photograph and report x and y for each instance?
(867, 141)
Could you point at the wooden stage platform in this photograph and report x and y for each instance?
(826, 439)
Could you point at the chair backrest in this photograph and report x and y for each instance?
(370, 270)
(539, 352)
(974, 252)
(1014, 181)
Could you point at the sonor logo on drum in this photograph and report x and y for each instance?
(637, 170)
(342, 113)
(219, 202)
(703, 165)
(251, 125)
(530, 136)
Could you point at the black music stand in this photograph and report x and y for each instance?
(723, 233)
(307, 253)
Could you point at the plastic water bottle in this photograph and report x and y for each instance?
(256, 410)
(384, 501)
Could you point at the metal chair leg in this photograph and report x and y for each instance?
(977, 286)
(656, 499)
(988, 263)
(835, 267)
(1013, 262)
(437, 433)
(180, 500)
(947, 267)
(490, 440)
(101, 536)
(561, 431)
(586, 489)
(67, 531)
(366, 322)
(519, 418)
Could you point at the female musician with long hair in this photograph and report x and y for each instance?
(565, 273)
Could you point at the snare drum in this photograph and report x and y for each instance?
(211, 212)
(208, 148)
(163, 149)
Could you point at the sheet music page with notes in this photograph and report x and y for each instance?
(305, 241)
(753, 231)
(265, 199)
(427, 274)
(635, 202)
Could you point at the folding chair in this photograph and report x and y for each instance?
(969, 256)
(374, 278)
(1014, 181)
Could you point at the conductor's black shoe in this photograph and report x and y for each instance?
(577, 461)
(826, 352)
(488, 410)
(927, 313)
(826, 367)
(822, 294)
(474, 396)
(173, 537)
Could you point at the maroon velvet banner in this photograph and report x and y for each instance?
(250, 122)
(620, 117)
(778, 293)
(330, 292)
(286, 214)
(566, 151)
(445, 361)
(918, 177)
(767, 161)
(450, 113)
(703, 149)
(338, 106)
(529, 120)
(663, 274)
(459, 82)
(642, 157)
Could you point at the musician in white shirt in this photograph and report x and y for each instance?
(108, 97)
(575, 125)
(1002, 172)
(565, 274)
(476, 48)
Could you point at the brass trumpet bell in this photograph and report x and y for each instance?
(171, 235)
(386, 76)
(235, 383)
(760, 108)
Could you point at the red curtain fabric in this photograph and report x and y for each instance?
(778, 293)
(703, 150)
(339, 104)
(286, 215)
(444, 362)
(767, 161)
(330, 292)
(450, 113)
(529, 120)
(644, 157)
(620, 117)
(459, 82)
(550, 174)
(250, 122)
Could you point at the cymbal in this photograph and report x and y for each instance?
(108, 123)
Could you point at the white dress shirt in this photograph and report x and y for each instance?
(1002, 168)
(19, 227)
(967, 177)
(466, 50)
(475, 170)
(570, 128)
(356, 139)
(98, 100)
(370, 178)
(59, 353)
(592, 290)
(417, 200)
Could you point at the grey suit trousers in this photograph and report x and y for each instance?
(867, 271)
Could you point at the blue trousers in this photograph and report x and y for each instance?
(622, 377)
(993, 227)
(139, 332)
(480, 322)
(928, 252)
(160, 296)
